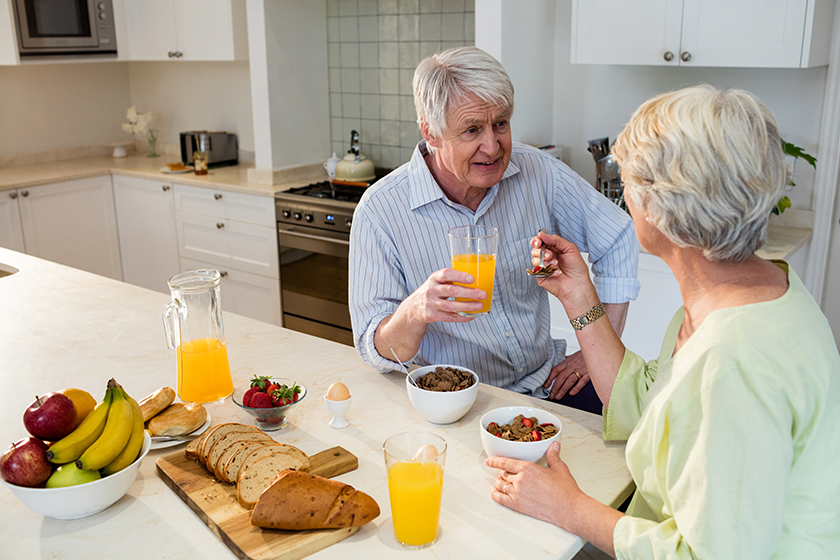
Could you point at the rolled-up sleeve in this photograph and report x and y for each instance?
(632, 383)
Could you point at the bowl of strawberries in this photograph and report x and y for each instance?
(269, 399)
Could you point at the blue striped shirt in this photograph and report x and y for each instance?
(399, 238)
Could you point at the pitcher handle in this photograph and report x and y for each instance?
(171, 312)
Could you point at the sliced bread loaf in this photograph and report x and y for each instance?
(257, 475)
(217, 434)
(218, 449)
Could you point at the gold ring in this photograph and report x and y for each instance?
(578, 375)
(504, 488)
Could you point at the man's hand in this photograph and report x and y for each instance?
(564, 379)
(431, 301)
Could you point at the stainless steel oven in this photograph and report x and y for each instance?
(65, 27)
(313, 233)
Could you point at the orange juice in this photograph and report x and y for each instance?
(415, 489)
(203, 371)
(482, 267)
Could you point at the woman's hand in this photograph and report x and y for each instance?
(547, 493)
(571, 283)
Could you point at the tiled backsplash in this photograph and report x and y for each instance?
(374, 47)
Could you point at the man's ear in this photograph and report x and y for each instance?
(430, 139)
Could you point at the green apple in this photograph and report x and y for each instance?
(70, 475)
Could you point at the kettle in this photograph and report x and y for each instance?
(354, 166)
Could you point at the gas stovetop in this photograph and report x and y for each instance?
(330, 191)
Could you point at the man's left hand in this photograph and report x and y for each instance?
(564, 379)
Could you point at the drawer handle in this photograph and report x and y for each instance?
(165, 188)
(220, 225)
(13, 195)
(171, 54)
(24, 194)
(223, 273)
(217, 196)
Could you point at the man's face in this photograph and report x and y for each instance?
(475, 149)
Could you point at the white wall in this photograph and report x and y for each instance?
(59, 106)
(185, 96)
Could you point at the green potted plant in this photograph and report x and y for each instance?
(796, 152)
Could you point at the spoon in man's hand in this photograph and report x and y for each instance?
(541, 270)
(402, 367)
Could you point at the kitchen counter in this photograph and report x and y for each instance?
(62, 327)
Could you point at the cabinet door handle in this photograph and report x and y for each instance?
(223, 273)
(165, 188)
(24, 194)
(668, 56)
(179, 54)
(685, 56)
(171, 54)
(13, 195)
(220, 225)
(217, 196)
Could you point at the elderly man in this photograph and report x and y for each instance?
(468, 171)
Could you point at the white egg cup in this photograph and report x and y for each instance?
(338, 409)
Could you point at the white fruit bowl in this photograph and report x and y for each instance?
(441, 407)
(73, 502)
(522, 450)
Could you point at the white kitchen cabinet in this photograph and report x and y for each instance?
(647, 317)
(11, 232)
(146, 225)
(736, 33)
(72, 223)
(250, 295)
(187, 29)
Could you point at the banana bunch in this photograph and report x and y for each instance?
(108, 439)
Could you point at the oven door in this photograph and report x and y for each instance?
(313, 282)
(45, 24)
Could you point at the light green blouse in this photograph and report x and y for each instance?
(734, 442)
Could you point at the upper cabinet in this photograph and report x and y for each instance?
(187, 29)
(738, 33)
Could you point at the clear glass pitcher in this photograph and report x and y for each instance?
(192, 322)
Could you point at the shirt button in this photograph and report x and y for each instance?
(507, 334)
(520, 370)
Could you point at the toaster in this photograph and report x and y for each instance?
(220, 147)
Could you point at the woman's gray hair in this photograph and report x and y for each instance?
(707, 166)
(444, 79)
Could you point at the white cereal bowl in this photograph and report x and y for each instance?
(441, 407)
(523, 450)
(73, 502)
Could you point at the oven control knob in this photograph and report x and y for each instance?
(308, 217)
(287, 214)
(298, 216)
(348, 222)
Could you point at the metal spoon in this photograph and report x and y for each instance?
(541, 270)
(405, 371)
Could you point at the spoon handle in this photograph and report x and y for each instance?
(405, 371)
(542, 249)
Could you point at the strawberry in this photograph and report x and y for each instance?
(271, 388)
(547, 424)
(261, 400)
(246, 398)
(527, 423)
(536, 435)
(284, 394)
(261, 381)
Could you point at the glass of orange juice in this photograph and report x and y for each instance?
(192, 322)
(473, 250)
(414, 461)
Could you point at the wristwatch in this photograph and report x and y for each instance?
(589, 317)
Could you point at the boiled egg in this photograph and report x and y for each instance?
(426, 451)
(338, 391)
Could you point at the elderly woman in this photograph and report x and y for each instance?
(731, 433)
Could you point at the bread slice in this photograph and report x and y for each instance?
(217, 434)
(257, 475)
(229, 471)
(296, 501)
(191, 450)
(255, 454)
(226, 440)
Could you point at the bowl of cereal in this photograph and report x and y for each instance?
(444, 393)
(519, 432)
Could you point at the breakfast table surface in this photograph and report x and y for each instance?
(61, 327)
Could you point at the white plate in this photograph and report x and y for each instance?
(198, 432)
(187, 169)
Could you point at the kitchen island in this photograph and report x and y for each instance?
(62, 327)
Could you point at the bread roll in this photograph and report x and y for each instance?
(297, 501)
(157, 402)
(258, 475)
(178, 419)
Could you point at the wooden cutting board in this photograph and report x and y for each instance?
(215, 503)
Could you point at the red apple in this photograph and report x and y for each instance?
(50, 417)
(25, 463)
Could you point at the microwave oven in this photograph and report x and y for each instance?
(65, 27)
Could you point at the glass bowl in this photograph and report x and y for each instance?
(268, 419)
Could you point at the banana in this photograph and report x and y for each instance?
(71, 446)
(135, 441)
(117, 430)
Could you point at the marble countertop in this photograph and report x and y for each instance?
(62, 327)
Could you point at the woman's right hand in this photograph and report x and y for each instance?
(571, 282)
